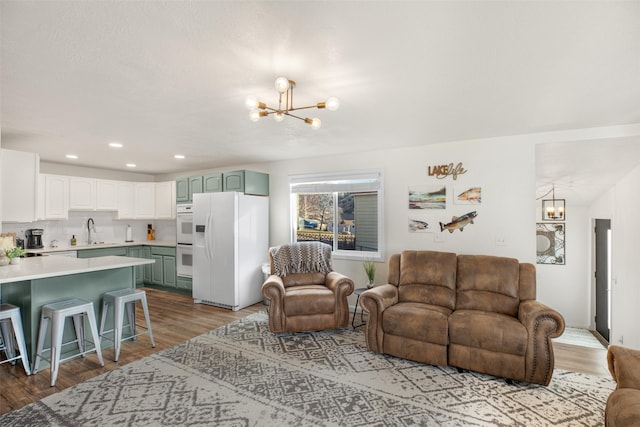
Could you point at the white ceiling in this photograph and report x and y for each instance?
(171, 77)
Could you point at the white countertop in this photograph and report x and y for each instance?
(84, 246)
(41, 267)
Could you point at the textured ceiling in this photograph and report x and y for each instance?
(167, 78)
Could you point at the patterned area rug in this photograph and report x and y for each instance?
(241, 375)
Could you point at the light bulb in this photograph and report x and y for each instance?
(251, 102)
(315, 123)
(282, 84)
(332, 103)
(278, 117)
(254, 115)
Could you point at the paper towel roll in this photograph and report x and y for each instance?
(129, 238)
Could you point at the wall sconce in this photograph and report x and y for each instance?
(553, 209)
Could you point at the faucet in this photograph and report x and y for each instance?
(90, 225)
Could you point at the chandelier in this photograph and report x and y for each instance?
(553, 209)
(285, 88)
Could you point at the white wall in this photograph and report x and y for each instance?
(504, 170)
(625, 316)
(567, 288)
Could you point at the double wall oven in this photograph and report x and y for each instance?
(184, 247)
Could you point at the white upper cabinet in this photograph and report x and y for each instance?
(144, 200)
(20, 175)
(82, 194)
(106, 195)
(165, 200)
(55, 197)
(125, 200)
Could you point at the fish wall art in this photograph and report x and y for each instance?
(419, 225)
(430, 197)
(459, 222)
(468, 195)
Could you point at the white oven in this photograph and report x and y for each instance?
(184, 226)
(184, 260)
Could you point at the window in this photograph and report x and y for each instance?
(343, 210)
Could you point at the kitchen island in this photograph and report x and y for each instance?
(37, 281)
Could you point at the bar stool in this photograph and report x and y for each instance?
(121, 299)
(57, 313)
(12, 334)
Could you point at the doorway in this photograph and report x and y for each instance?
(602, 251)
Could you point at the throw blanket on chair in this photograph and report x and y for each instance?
(302, 257)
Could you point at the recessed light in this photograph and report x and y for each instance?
(131, 165)
(178, 156)
(71, 156)
(115, 145)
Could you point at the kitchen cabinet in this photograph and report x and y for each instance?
(82, 194)
(106, 195)
(184, 283)
(182, 190)
(165, 205)
(136, 252)
(146, 253)
(163, 271)
(195, 185)
(20, 186)
(248, 182)
(125, 200)
(212, 183)
(98, 252)
(144, 200)
(55, 197)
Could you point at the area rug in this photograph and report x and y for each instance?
(243, 375)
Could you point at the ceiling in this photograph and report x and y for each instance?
(169, 77)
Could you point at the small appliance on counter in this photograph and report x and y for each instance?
(34, 238)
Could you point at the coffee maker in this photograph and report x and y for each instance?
(34, 238)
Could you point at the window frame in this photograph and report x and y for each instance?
(370, 180)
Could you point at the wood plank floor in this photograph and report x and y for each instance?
(175, 319)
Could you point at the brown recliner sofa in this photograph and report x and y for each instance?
(473, 312)
(623, 405)
(305, 296)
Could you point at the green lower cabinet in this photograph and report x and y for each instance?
(184, 283)
(163, 271)
(137, 252)
(146, 253)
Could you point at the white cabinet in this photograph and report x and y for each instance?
(82, 194)
(125, 200)
(20, 172)
(144, 200)
(165, 200)
(55, 197)
(106, 195)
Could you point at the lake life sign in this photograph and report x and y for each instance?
(443, 171)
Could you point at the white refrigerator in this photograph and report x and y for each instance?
(230, 244)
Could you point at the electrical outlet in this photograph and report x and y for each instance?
(621, 340)
(500, 241)
(439, 237)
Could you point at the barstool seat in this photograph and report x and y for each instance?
(12, 335)
(120, 300)
(57, 313)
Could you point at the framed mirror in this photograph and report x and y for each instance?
(550, 243)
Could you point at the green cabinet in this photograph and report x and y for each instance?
(163, 271)
(247, 182)
(146, 253)
(182, 190)
(212, 182)
(98, 252)
(243, 181)
(184, 283)
(136, 252)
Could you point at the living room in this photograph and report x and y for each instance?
(486, 129)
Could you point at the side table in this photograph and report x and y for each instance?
(355, 310)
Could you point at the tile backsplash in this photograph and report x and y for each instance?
(107, 228)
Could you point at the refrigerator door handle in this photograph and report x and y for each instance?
(207, 238)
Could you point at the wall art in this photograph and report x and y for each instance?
(428, 197)
(467, 195)
(420, 224)
(459, 222)
(550, 243)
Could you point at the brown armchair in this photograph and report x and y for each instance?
(623, 405)
(303, 291)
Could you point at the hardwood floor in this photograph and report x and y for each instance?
(175, 318)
